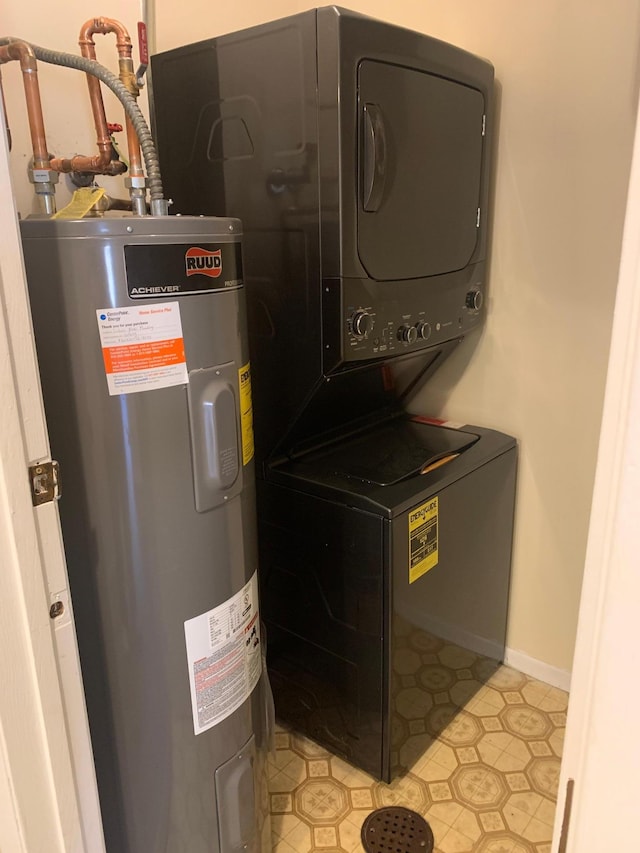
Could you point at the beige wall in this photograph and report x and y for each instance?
(567, 72)
(568, 77)
(67, 114)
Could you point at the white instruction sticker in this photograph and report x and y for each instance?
(142, 347)
(224, 656)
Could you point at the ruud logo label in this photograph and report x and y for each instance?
(200, 262)
(182, 269)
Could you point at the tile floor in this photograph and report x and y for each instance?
(488, 784)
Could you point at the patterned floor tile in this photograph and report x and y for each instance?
(361, 798)
(349, 836)
(481, 763)
(408, 791)
(281, 803)
(280, 846)
(456, 842)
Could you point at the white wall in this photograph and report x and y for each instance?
(567, 74)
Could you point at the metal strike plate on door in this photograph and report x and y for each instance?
(44, 478)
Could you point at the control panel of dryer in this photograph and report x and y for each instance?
(381, 320)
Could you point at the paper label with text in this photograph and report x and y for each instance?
(224, 656)
(142, 347)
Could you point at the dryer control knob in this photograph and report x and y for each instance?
(361, 323)
(474, 300)
(424, 330)
(407, 333)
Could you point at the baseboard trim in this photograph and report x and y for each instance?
(452, 633)
(538, 669)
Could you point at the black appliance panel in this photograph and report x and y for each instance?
(263, 124)
(344, 41)
(324, 585)
(236, 126)
(395, 450)
(403, 317)
(453, 619)
(328, 480)
(420, 169)
(344, 621)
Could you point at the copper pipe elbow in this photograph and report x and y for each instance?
(104, 26)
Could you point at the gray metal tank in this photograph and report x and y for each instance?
(141, 336)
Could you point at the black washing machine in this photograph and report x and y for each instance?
(383, 554)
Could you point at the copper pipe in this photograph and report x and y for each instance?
(23, 52)
(104, 26)
(83, 163)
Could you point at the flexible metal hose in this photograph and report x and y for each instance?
(90, 66)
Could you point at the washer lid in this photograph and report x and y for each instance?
(392, 451)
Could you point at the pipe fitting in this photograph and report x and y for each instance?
(45, 189)
(103, 26)
(138, 202)
(95, 164)
(46, 198)
(135, 182)
(128, 77)
(43, 176)
(44, 185)
(159, 207)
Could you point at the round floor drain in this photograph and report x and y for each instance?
(396, 830)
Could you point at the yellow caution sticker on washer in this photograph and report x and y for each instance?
(423, 539)
(246, 413)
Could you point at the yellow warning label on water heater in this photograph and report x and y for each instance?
(246, 413)
(423, 539)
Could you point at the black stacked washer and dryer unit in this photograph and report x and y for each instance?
(357, 155)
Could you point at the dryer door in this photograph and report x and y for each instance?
(420, 157)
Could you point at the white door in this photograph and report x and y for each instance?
(602, 746)
(48, 794)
